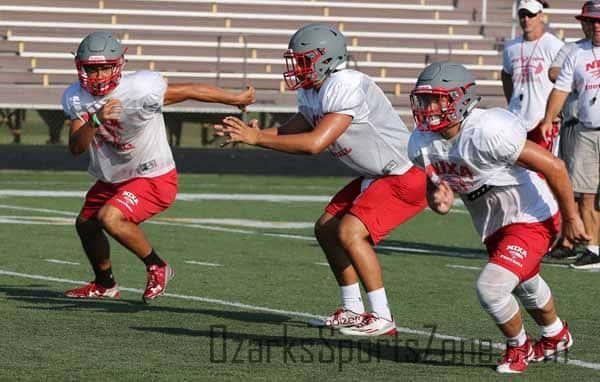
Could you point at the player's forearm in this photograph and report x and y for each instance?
(293, 143)
(199, 92)
(555, 104)
(558, 180)
(81, 137)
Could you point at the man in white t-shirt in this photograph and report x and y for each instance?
(484, 156)
(562, 248)
(581, 72)
(118, 120)
(526, 61)
(345, 112)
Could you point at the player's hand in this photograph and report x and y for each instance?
(112, 109)
(440, 198)
(546, 130)
(245, 98)
(236, 131)
(574, 230)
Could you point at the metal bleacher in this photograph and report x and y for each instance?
(233, 42)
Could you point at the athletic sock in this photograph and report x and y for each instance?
(104, 278)
(351, 298)
(519, 339)
(153, 259)
(552, 329)
(379, 303)
(593, 248)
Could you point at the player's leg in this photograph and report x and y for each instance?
(95, 245)
(536, 297)
(127, 233)
(494, 289)
(326, 232)
(384, 204)
(135, 202)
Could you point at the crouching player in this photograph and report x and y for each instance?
(484, 156)
(119, 120)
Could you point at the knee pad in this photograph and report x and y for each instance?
(533, 293)
(494, 289)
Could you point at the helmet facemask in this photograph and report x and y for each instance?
(300, 68)
(435, 109)
(102, 85)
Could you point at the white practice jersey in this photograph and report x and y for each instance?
(528, 63)
(480, 164)
(375, 142)
(570, 109)
(581, 72)
(136, 145)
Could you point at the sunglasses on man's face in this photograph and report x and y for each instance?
(590, 20)
(523, 14)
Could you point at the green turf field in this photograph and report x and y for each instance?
(247, 281)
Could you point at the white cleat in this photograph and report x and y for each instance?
(341, 318)
(372, 325)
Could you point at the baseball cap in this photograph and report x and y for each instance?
(532, 6)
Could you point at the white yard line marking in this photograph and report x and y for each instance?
(251, 223)
(589, 365)
(19, 208)
(324, 264)
(56, 261)
(180, 196)
(274, 198)
(429, 252)
(201, 263)
(462, 267)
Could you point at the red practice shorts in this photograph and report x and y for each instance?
(520, 247)
(388, 201)
(535, 136)
(138, 199)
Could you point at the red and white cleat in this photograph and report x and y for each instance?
(516, 358)
(341, 318)
(550, 347)
(372, 325)
(158, 278)
(93, 290)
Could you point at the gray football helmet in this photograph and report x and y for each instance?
(445, 93)
(314, 52)
(99, 48)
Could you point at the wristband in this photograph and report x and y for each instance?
(95, 120)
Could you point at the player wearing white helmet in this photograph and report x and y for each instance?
(484, 156)
(344, 111)
(118, 120)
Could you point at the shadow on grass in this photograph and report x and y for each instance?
(50, 300)
(328, 346)
(402, 248)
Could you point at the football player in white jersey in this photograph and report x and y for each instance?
(344, 111)
(526, 61)
(484, 156)
(118, 120)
